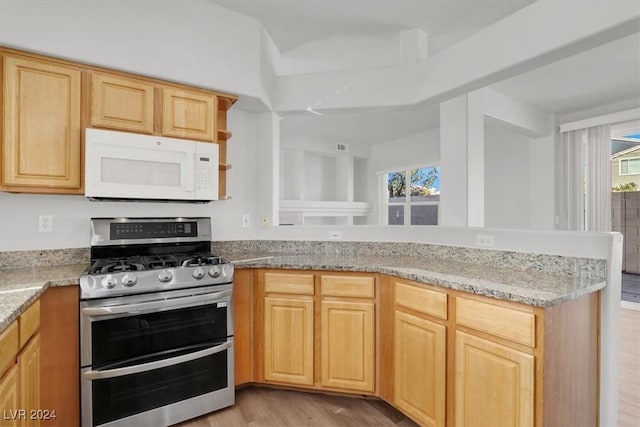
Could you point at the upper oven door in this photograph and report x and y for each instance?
(129, 166)
(141, 326)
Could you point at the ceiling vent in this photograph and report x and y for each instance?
(343, 148)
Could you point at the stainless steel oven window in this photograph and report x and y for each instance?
(156, 397)
(135, 307)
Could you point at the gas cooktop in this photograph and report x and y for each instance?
(141, 255)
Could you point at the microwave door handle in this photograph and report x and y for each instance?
(119, 372)
(190, 173)
(155, 305)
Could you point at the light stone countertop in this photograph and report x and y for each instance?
(20, 287)
(527, 287)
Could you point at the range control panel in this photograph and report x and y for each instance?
(151, 230)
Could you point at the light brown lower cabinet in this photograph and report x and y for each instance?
(318, 330)
(494, 384)
(10, 397)
(442, 357)
(29, 367)
(288, 340)
(20, 403)
(348, 345)
(420, 368)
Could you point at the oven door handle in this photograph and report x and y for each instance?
(119, 372)
(155, 305)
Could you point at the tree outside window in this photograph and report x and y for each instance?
(416, 203)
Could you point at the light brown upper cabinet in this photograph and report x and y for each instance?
(121, 103)
(189, 114)
(47, 103)
(41, 142)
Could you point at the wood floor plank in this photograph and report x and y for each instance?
(629, 376)
(266, 407)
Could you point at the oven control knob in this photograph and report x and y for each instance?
(215, 271)
(109, 281)
(165, 276)
(198, 273)
(227, 270)
(129, 280)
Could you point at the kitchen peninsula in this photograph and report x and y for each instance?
(528, 308)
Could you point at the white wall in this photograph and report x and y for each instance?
(413, 150)
(519, 179)
(507, 179)
(542, 183)
(19, 212)
(341, 53)
(195, 42)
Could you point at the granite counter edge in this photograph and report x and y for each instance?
(494, 290)
(26, 298)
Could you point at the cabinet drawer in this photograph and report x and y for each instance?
(299, 284)
(423, 300)
(503, 322)
(8, 347)
(29, 322)
(347, 286)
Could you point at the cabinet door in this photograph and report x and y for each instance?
(189, 114)
(29, 366)
(41, 146)
(348, 345)
(420, 368)
(494, 384)
(9, 399)
(288, 340)
(121, 103)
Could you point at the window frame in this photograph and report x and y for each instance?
(626, 160)
(384, 199)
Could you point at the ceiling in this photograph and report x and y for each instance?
(292, 23)
(363, 127)
(600, 76)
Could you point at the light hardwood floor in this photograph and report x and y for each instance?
(629, 377)
(257, 406)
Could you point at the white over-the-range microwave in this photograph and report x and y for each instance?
(120, 165)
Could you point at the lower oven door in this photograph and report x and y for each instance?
(186, 384)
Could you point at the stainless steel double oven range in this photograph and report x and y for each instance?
(156, 323)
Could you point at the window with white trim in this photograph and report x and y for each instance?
(629, 166)
(411, 197)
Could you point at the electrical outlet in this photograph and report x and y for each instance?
(335, 235)
(484, 240)
(265, 221)
(45, 223)
(245, 221)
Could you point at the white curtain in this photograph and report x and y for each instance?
(573, 143)
(598, 200)
(588, 167)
